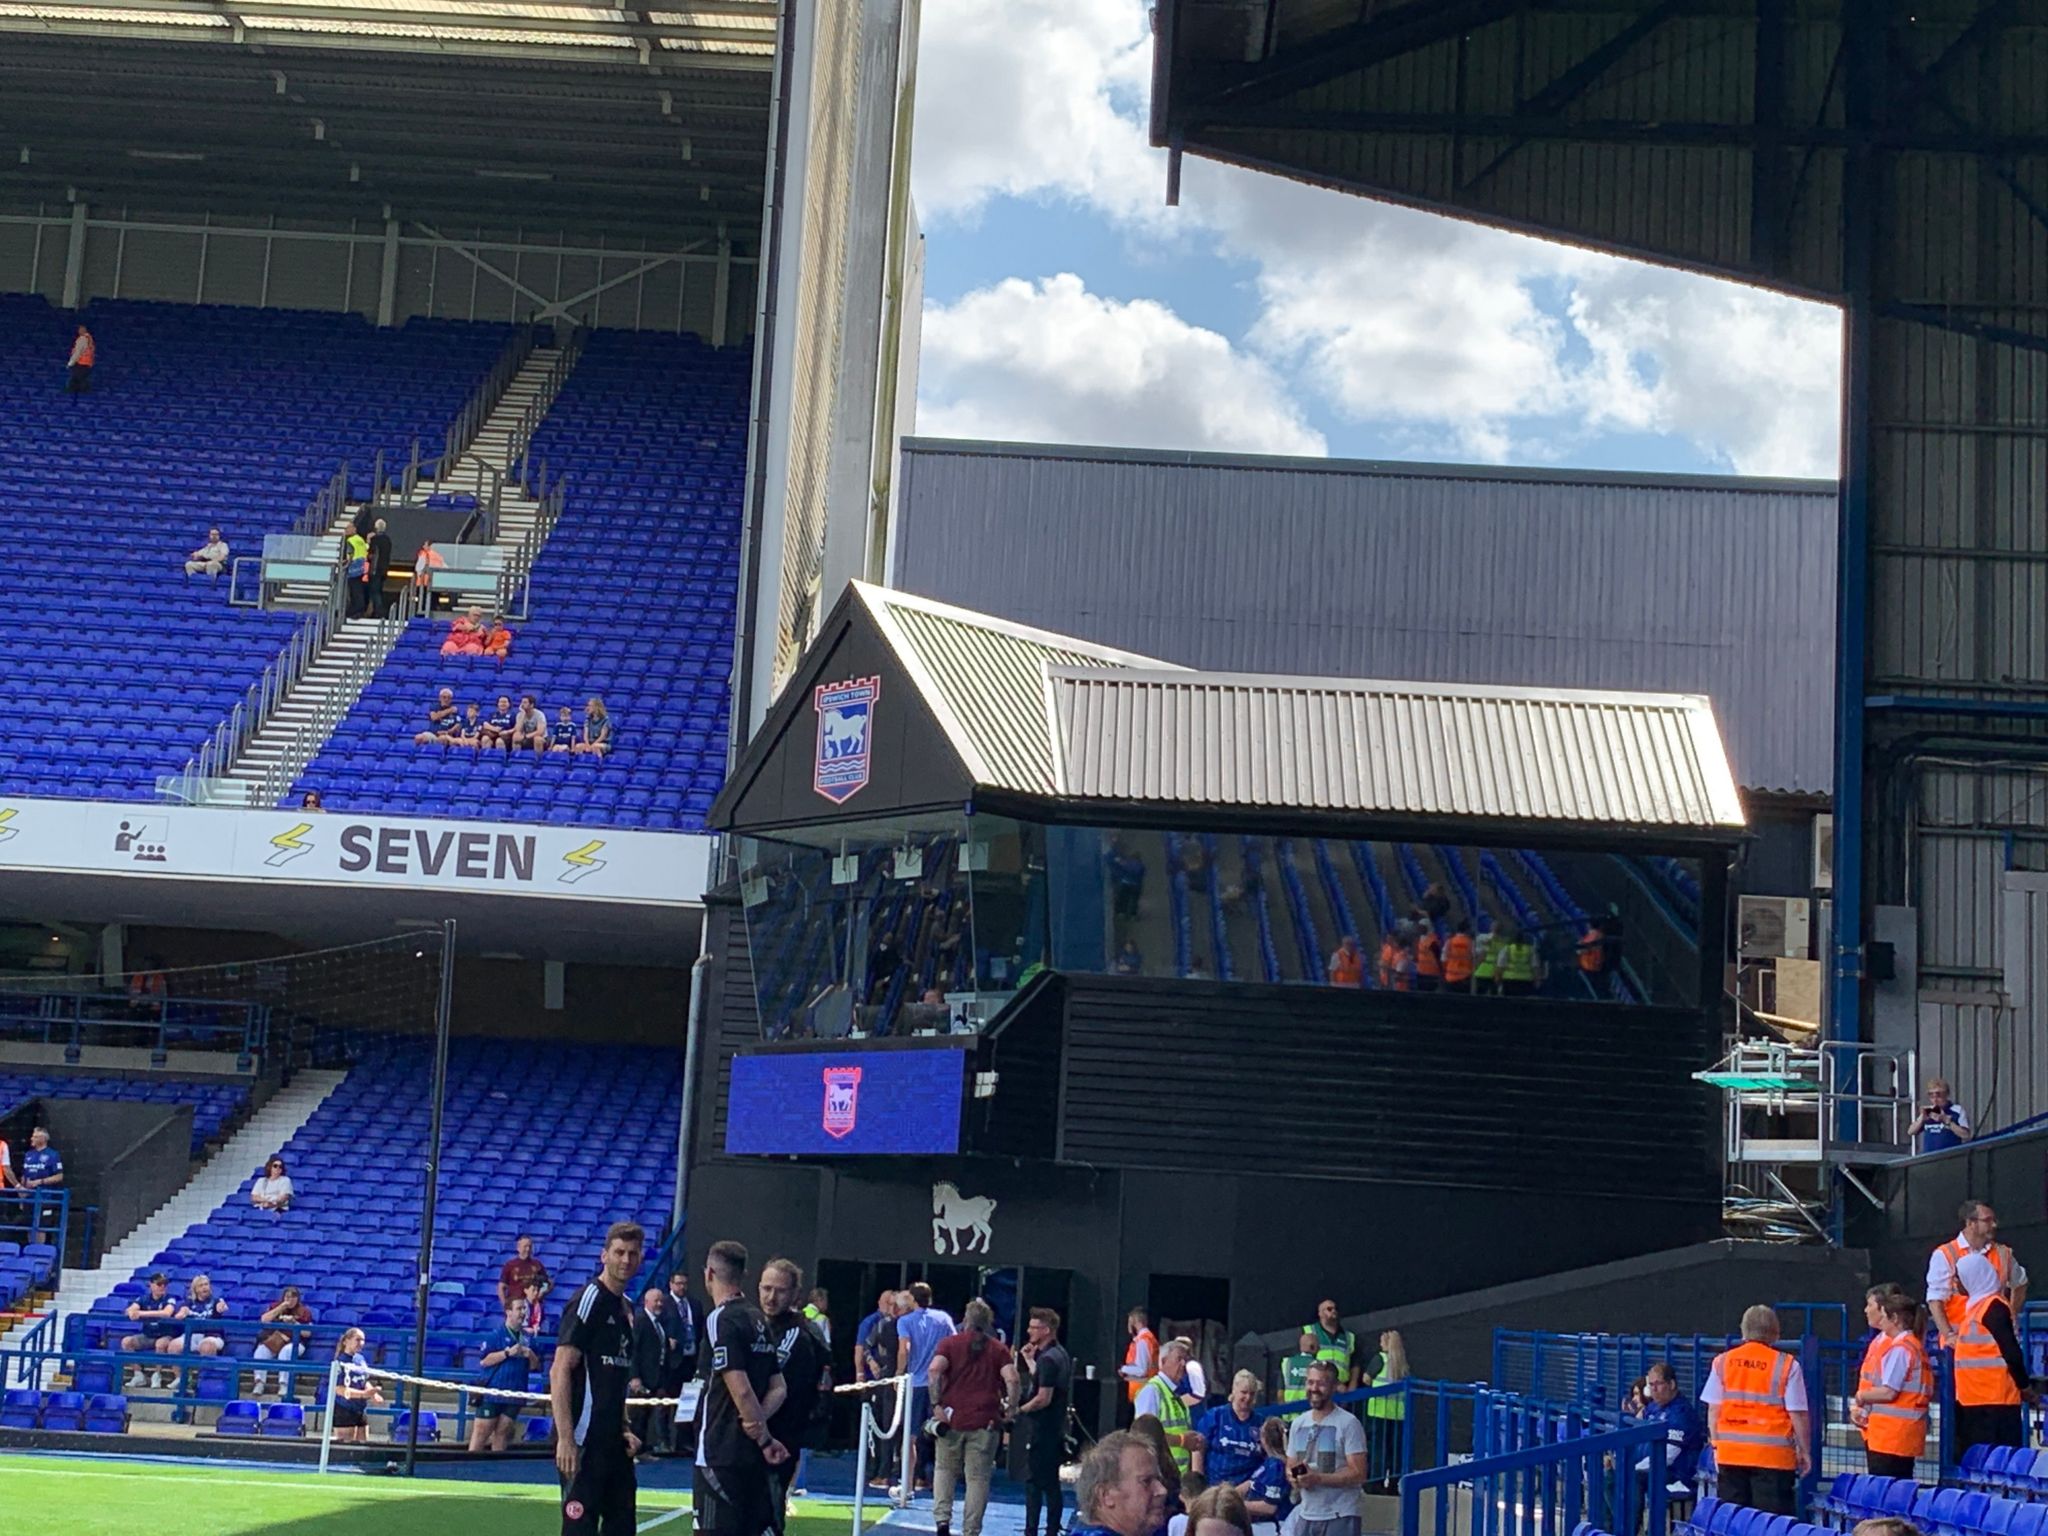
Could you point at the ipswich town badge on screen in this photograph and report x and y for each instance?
(846, 718)
(842, 1100)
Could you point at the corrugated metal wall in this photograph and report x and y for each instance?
(1406, 572)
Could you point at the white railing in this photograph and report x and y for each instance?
(229, 738)
(520, 449)
(342, 691)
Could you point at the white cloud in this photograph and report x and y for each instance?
(1436, 331)
(1050, 361)
(1025, 98)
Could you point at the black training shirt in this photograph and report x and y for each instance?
(600, 1324)
(738, 1336)
(801, 1357)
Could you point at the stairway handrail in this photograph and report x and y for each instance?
(236, 729)
(462, 431)
(520, 446)
(304, 743)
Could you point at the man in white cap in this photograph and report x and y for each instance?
(1991, 1380)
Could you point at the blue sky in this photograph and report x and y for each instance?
(1065, 302)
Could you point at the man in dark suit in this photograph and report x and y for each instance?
(380, 566)
(650, 1358)
(679, 1321)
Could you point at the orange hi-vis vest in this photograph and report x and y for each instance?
(1955, 1251)
(1754, 1427)
(1458, 958)
(1150, 1340)
(1982, 1381)
(88, 350)
(1592, 947)
(1899, 1427)
(1347, 968)
(1428, 955)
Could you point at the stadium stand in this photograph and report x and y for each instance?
(199, 416)
(350, 1241)
(214, 1104)
(631, 600)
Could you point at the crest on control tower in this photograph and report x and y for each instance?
(842, 1100)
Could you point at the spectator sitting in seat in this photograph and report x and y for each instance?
(200, 1303)
(209, 558)
(597, 730)
(157, 1314)
(498, 724)
(468, 731)
(1130, 960)
(562, 736)
(530, 729)
(497, 639)
(354, 1392)
(465, 636)
(311, 804)
(272, 1190)
(439, 718)
(282, 1343)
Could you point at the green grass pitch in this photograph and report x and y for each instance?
(108, 1498)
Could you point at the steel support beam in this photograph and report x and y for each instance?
(74, 257)
(387, 277)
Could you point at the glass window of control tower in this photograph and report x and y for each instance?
(859, 930)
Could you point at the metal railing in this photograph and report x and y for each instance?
(469, 421)
(328, 503)
(305, 742)
(1546, 1490)
(193, 785)
(520, 449)
(37, 1216)
(79, 1019)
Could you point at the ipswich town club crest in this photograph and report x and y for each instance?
(842, 1100)
(846, 720)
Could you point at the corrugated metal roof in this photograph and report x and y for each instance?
(1482, 575)
(984, 679)
(1389, 748)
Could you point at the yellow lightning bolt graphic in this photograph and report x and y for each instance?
(582, 861)
(291, 844)
(5, 830)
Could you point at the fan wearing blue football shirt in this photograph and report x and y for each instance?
(42, 1169)
(1268, 1496)
(506, 1356)
(1229, 1451)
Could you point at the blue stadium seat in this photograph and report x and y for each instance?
(430, 1425)
(1997, 1517)
(283, 1420)
(537, 1432)
(2027, 1520)
(106, 1413)
(63, 1410)
(240, 1417)
(21, 1408)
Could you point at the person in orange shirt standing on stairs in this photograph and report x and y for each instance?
(1458, 958)
(84, 353)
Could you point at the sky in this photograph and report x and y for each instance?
(1065, 302)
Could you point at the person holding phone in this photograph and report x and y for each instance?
(1325, 1459)
(1942, 1122)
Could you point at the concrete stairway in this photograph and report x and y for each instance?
(331, 683)
(219, 1178)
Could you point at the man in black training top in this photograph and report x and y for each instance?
(804, 1362)
(742, 1387)
(594, 1451)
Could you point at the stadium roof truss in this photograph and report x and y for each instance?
(507, 115)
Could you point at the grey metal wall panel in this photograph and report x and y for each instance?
(1411, 572)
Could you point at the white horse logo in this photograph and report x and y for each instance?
(954, 1213)
(846, 733)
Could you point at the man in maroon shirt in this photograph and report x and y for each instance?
(520, 1269)
(972, 1379)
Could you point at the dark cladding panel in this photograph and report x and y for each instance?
(731, 1018)
(1469, 1091)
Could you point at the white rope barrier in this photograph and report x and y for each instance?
(685, 1404)
(900, 1427)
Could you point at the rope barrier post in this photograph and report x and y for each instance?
(327, 1419)
(908, 1487)
(860, 1463)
